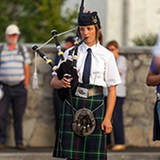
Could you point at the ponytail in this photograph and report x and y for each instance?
(99, 34)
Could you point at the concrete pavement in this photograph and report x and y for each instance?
(130, 153)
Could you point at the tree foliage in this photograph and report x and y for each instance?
(145, 40)
(35, 19)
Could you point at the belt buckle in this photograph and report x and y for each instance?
(82, 92)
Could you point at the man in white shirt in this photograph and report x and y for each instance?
(14, 77)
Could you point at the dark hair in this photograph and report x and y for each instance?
(112, 43)
(99, 35)
(70, 39)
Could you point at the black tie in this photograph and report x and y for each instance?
(87, 67)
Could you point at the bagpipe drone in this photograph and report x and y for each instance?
(67, 68)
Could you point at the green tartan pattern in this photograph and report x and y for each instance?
(69, 145)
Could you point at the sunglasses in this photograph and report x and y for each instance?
(12, 35)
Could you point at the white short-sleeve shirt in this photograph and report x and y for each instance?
(12, 64)
(122, 67)
(104, 71)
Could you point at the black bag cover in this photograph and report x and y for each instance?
(66, 67)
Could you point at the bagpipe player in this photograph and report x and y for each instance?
(96, 68)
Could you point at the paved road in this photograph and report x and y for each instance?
(130, 153)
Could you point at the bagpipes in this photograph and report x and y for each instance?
(67, 68)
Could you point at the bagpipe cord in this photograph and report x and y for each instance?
(35, 76)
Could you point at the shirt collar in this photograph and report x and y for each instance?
(93, 48)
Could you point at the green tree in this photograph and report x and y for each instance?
(145, 40)
(36, 19)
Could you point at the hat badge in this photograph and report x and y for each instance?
(95, 20)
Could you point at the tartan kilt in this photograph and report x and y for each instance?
(69, 145)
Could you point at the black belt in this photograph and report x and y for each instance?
(95, 91)
(9, 85)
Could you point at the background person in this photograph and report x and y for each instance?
(14, 77)
(118, 126)
(153, 79)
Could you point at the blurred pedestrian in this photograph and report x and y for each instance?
(153, 79)
(14, 78)
(118, 127)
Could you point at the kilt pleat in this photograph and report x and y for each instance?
(69, 145)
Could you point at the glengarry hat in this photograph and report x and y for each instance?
(86, 19)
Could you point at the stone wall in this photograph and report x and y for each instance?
(139, 104)
(39, 119)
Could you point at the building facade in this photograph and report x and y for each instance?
(124, 19)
